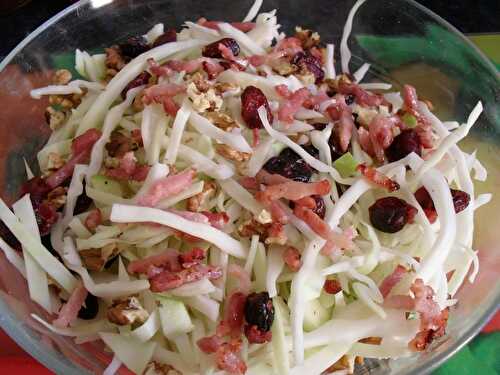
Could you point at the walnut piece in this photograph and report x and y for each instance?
(227, 89)
(61, 77)
(308, 38)
(96, 259)
(203, 101)
(221, 120)
(199, 201)
(54, 118)
(231, 154)
(155, 368)
(127, 311)
(57, 197)
(114, 60)
(284, 68)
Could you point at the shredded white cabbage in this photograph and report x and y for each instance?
(154, 33)
(247, 44)
(275, 265)
(361, 72)
(345, 53)
(74, 87)
(134, 214)
(13, 257)
(177, 129)
(330, 62)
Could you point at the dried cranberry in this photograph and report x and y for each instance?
(320, 208)
(404, 144)
(334, 142)
(311, 150)
(460, 202)
(290, 165)
(259, 311)
(332, 286)
(141, 79)
(167, 37)
(36, 187)
(212, 50)
(83, 202)
(304, 60)
(9, 237)
(90, 309)
(252, 99)
(46, 216)
(256, 336)
(319, 125)
(349, 99)
(134, 46)
(390, 214)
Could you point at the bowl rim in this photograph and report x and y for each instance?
(14, 329)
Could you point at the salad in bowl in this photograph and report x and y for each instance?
(232, 199)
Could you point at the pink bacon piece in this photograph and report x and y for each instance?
(169, 260)
(423, 129)
(167, 280)
(292, 256)
(293, 190)
(69, 311)
(167, 187)
(244, 282)
(292, 104)
(378, 178)
(392, 280)
(93, 220)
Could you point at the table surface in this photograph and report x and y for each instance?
(469, 16)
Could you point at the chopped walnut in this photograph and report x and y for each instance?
(54, 118)
(231, 154)
(61, 77)
(341, 364)
(111, 162)
(57, 197)
(54, 161)
(127, 311)
(138, 104)
(203, 101)
(227, 89)
(199, 80)
(96, 259)
(221, 120)
(155, 368)
(308, 38)
(251, 227)
(114, 60)
(284, 68)
(333, 84)
(199, 201)
(306, 77)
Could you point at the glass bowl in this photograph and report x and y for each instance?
(402, 40)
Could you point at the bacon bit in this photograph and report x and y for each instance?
(229, 56)
(283, 91)
(374, 176)
(128, 169)
(69, 311)
(249, 183)
(278, 214)
(256, 336)
(276, 234)
(321, 228)
(214, 25)
(292, 256)
(332, 286)
(257, 60)
(362, 97)
(344, 129)
(217, 220)
(227, 358)
(93, 220)
(213, 69)
(167, 187)
(167, 280)
(81, 148)
(266, 178)
(381, 134)
(243, 278)
(307, 202)
(424, 129)
(159, 70)
(293, 103)
(157, 93)
(288, 47)
(392, 280)
(168, 260)
(234, 314)
(314, 101)
(365, 141)
(293, 190)
(210, 344)
(192, 257)
(85, 142)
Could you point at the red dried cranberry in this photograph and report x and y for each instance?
(83, 202)
(36, 187)
(332, 286)
(259, 311)
(404, 144)
(320, 208)
(460, 202)
(90, 309)
(141, 79)
(304, 60)
(256, 336)
(390, 214)
(212, 50)
(167, 37)
(9, 237)
(46, 216)
(334, 143)
(134, 46)
(252, 99)
(290, 165)
(311, 150)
